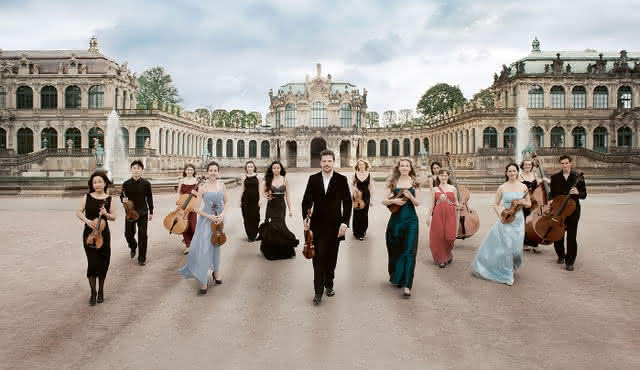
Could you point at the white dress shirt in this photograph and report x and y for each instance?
(326, 180)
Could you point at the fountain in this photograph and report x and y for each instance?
(116, 154)
(523, 128)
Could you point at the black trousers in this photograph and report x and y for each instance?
(571, 232)
(324, 263)
(130, 233)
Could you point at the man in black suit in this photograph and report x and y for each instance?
(329, 195)
(138, 190)
(563, 183)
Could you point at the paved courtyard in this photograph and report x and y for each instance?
(262, 316)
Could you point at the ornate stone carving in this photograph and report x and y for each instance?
(535, 45)
(600, 66)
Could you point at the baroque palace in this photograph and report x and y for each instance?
(54, 106)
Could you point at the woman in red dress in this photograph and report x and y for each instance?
(188, 183)
(443, 218)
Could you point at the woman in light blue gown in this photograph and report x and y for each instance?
(501, 251)
(203, 255)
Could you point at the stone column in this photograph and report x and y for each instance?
(154, 142)
(84, 139)
(465, 142)
(60, 92)
(589, 96)
(37, 139)
(84, 97)
(477, 137)
(61, 139)
(547, 138)
(36, 97)
(500, 138)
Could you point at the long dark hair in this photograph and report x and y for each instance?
(255, 169)
(506, 178)
(268, 177)
(106, 180)
(436, 182)
(395, 174)
(184, 170)
(448, 173)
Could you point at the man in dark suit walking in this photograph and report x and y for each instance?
(328, 194)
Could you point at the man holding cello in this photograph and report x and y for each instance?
(563, 183)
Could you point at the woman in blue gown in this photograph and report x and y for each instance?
(203, 255)
(402, 229)
(501, 251)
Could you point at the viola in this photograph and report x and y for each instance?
(309, 251)
(539, 205)
(469, 222)
(508, 215)
(130, 211)
(218, 237)
(551, 225)
(95, 239)
(395, 208)
(177, 221)
(358, 202)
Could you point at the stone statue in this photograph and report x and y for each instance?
(69, 143)
(568, 68)
(147, 143)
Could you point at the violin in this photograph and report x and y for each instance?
(469, 222)
(177, 221)
(508, 215)
(309, 251)
(94, 239)
(218, 237)
(394, 208)
(551, 225)
(130, 210)
(358, 202)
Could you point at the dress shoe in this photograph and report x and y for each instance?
(100, 297)
(406, 293)
(186, 251)
(569, 267)
(133, 253)
(560, 260)
(330, 292)
(442, 265)
(92, 300)
(203, 291)
(217, 281)
(142, 263)
(317, 299)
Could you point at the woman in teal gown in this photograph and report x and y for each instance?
(501, 251)
(402, 229)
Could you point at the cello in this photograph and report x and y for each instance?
(551, 225)
(469, 220)
(177, 221)
(539, 200)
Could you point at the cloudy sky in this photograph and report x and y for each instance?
(228, 54)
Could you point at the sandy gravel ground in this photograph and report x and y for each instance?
(262, 316)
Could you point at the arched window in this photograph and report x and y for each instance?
(510, 135)
(557, 137)
(600, 97)
(125, 138)
(3, 97)
(416, 147)
(277, 117)
(253, 149)
(579, 135)
(290, 115)
(96, 97)
(97, 134)
(264, 149)
(579, 97)
(3, 138)
(219, 148)
(142, 134)
(318, 114)
(395, 148)
(25, 140)
(537, 137)
(406, 147)
(240, 149)
(426, 144)
(600, 139)
(48, 97)
(557, 97)
(371, 148)
(75, 136)
(515, 97)
(49, 138)
(624, 97)
(229, 148)
(345, 115)
(24, 98)
(358, 116)
(490, 138)
(384, 148)
(72, 97)
(624, 136)
(536, 97)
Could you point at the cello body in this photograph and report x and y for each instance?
(469, 222)
(550, 226)
(177, 221)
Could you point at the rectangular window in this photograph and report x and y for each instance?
(277, 119)
(536, 101)
(557, 101)
(579, 101)
(600, 101)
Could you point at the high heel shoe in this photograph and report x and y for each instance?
(203, 291)
(218, 282)
(442, 265)
(92, 299)
(100, 297)
(406, 293)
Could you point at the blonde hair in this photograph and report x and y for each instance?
(366, 164)
(395, 174)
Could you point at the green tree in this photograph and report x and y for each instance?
(203, 113)
(484, 99)
(238, 118)
(374, 119)
(156, 84)
(220, 118)
(439, 99)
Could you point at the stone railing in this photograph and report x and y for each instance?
(141, 152)
(627, 155)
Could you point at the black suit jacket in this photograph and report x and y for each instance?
(330, 209)
(560, 186)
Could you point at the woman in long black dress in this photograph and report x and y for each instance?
(362, 182)
(531, 180)
(277, 241)
(250, 201)
(95, 205)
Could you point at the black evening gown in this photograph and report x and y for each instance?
(250, 207)
(97, 259)
(277, 242)
(361, 216)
